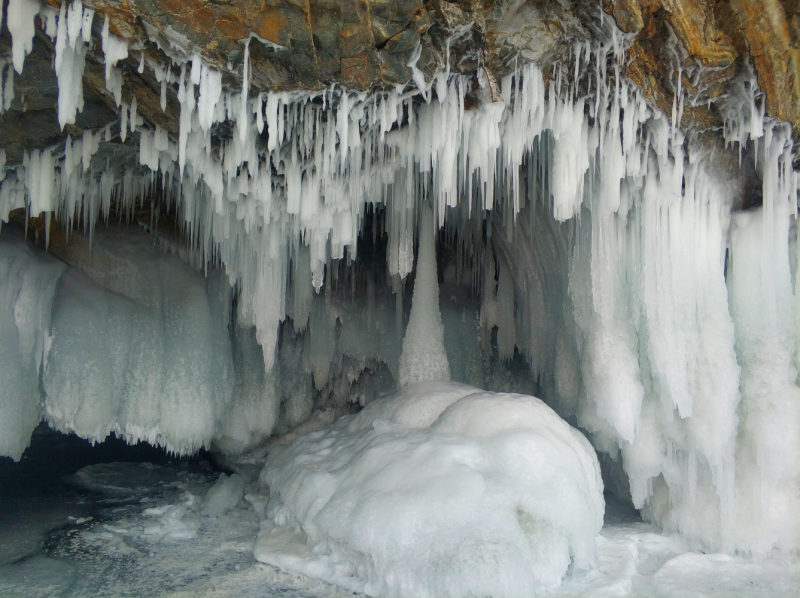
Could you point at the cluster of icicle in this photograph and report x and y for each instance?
(687, 377)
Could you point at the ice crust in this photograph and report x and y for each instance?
(487, 493)
(604, 263)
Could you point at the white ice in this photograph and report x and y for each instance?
(29, 281)
(224, 495)
(19, 21)
(625, 314)
(440, 490)
(424, 358)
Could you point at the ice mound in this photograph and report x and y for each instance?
(481, 494)
(224, 495)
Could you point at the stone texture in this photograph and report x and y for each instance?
(771, 30)
(361, 44)
(709, 41)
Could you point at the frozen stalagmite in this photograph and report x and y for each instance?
(424, 358)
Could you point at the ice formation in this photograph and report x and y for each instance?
(19, 21)
(596, 232)
(424, 358)
(765, 309)
(224, 495)
(487, 493)
(28, 283)
(156, 362)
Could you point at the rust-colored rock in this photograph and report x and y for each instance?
(708, 41)
(774, 45)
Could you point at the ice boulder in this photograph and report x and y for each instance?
(488, 494)
(224, 495)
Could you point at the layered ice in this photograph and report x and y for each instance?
(441, 490)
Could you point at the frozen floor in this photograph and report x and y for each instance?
(134, 529)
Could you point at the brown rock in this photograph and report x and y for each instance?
(628, 15)
(775, 52)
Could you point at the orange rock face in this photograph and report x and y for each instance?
(708, 42)
(771, 30)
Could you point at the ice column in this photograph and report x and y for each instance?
(424, 357)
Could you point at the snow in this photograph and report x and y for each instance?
(496, 496)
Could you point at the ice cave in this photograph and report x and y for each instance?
(399, 298)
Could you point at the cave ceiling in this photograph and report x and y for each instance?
(365, 44)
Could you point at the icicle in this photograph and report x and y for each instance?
(134, 120)
(123, 125)
(210, 91)
(21, 27)
(69, 62)
(243, 118)
(114, 49)
(7, 89)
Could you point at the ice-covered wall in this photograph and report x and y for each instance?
(599, 238)
(28, 284)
